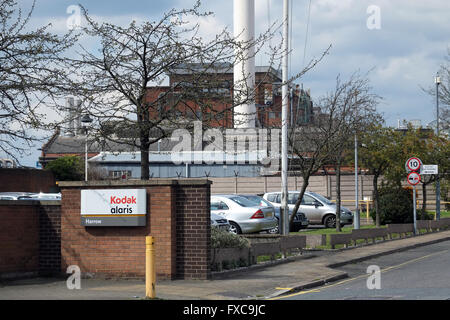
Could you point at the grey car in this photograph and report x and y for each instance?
(300, 220)
(219, 222)
(243, 215)
(318, 209)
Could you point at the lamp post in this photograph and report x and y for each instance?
(284, 213)
(356, 218)
(86, 121)
(437, 80)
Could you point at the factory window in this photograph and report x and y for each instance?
(120, 174)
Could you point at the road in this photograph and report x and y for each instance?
(418, 274)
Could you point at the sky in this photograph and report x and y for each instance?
(401, 42)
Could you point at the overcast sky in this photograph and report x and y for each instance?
(404, 47)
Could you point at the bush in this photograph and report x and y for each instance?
(395, 205)
(67, 168)
(224, 239)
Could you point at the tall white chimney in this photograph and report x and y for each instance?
(244, 69)
(70, 131)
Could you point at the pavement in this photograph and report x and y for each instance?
(264, 281)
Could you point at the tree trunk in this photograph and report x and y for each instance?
(424, 199)
(299, 200)
(338, 195)
(375, 200)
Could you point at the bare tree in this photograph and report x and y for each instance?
(345, 111)
(29, 76)
(444, 93)
(115, 82)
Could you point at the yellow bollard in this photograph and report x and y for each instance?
(150, 270)
(367, 209)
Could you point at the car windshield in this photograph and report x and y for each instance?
(243, 202)
(322, 198)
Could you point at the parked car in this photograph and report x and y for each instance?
(219, 222)
(14, 195)
(45, 196)
(318, 209)
(29, 196)
(243, 215)
(300, 220)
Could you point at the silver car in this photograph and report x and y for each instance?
(318, 209)
(300, 220)
(243, 215)
(219, 222)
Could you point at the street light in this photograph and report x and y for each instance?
(437, 80)
(86, 121)
(356, 222)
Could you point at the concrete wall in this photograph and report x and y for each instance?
(325, 185)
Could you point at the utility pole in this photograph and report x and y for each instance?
(437, 80)
(284, 215)
(356, 218)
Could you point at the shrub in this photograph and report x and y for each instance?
(224, 239)
(67, 168)
(395, 205)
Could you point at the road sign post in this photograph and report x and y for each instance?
(413, 166)
(414, 211)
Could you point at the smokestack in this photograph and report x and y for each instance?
(70, 131)
(77, 120)
(244, 69)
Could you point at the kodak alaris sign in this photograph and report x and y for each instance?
(113, 207)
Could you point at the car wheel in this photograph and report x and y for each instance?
(275, 230)
(330, 221)
(234, 228)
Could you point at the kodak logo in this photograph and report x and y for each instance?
(123, 200)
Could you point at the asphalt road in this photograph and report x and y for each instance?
(418, 274)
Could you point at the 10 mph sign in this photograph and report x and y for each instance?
(413, 164)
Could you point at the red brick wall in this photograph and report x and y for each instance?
(120, 251)
(26, 180)
(19, 237)
(30, 238)
(50, 238)
(193, 231)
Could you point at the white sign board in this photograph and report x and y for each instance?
(113, 207)
(429, 169)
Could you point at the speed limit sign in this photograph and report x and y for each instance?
(413, 164)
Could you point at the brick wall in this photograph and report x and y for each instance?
(193, 231)
(49, 238)
(30, 238)
(26, 180)
(178, 219)
(19, 238)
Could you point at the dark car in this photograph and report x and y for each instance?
(300, 220)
